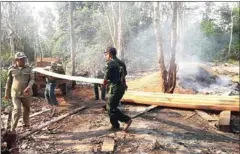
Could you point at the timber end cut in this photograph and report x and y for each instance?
(108, 144)
(224, 121)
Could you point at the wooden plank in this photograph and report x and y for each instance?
(68, 77)
(51, 121)
(205, 116)
(108, 144)
(183, 101)
(224, 120)
(146, 110)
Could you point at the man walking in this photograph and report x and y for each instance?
(19, 89)
(115, 73)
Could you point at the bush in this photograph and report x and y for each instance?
(3, 84)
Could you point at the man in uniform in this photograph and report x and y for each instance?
(115, 76)
(50, 88)
(19, 88)
(99, 74)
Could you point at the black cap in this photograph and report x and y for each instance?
(111, 50)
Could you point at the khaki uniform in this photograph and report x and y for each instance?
(18, 79)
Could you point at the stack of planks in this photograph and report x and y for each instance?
(205, 102)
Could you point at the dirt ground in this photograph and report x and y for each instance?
(159, 131)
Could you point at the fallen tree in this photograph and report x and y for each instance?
(206, 102)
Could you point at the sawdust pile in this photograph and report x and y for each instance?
(150, 83)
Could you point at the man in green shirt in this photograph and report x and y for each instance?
(115, 73)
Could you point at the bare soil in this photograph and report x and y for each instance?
(161, 130)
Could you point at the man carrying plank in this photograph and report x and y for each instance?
(115, 73)
(50, 88)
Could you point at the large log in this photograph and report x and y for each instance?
(205, 102)
(67, 77)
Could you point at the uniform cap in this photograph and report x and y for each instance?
(20, 55)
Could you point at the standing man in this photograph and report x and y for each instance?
(115, 76)
(19, 88)
(99, 74)
(50, 88)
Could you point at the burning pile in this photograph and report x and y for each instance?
(191, 78)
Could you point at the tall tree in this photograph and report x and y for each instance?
(231, 33)
(162, 68)
(171, 83)
(120, 33)
(72, 39)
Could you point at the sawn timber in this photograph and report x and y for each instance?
(205, 102)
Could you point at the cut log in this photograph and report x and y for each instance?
(205, 116)
(205, 102)
(224, 121)
(108, 144)
(51, 121)
(67, 77)
(146, 110)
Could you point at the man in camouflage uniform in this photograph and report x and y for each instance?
(115, 76)
(50, 88)
(19, 89)
(99, 74)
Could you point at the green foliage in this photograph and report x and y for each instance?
(3, 84)
(208, 27)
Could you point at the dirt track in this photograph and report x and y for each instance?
(162, 130)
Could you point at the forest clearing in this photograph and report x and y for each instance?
(181, 83)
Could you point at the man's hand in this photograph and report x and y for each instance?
(26, 91)
(6, 97)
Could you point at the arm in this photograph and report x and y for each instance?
(31, 80)
(30, 83)
(107, 74)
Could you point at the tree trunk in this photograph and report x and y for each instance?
(230, 42)
(72, 39)
(172, 69)
(109, 25)
(114, 17)
(11, 30)
(159, 47)
(120, 49)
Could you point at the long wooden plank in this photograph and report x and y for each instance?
(51, 121)
(171, 100)
(205, 116)
(68, 77)
(157, 94)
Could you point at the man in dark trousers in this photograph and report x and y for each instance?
(50, 88)
(115, 73)
(99, 74)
